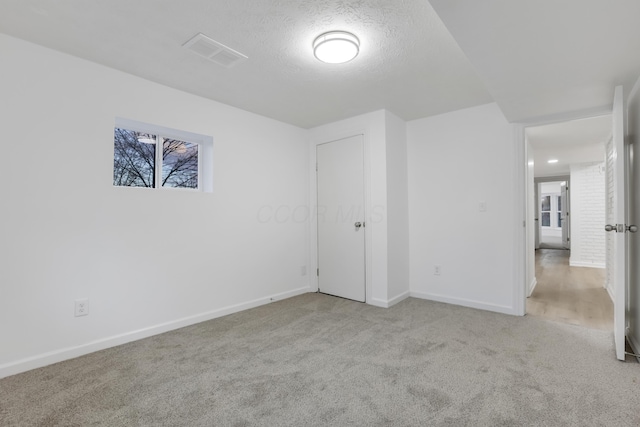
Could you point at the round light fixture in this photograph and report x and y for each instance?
(336, 47)
(552, 161)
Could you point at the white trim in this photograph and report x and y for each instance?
(520, 171)
(532, 286)
(378, 302)
(390, 303)
(60, 355)
(181, 135)
(520, 282)
(403, 296)
(465, 302)
(552, 178)
(573, 263)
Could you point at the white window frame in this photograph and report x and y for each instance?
(205, 152)
(553, 211)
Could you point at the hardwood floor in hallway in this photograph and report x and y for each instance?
(567, 294)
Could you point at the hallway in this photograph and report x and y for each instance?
(574, 295)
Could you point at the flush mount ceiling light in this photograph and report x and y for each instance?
(552, 161)
(336, 47)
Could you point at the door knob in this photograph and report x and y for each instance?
(620, 228)
(358, 225)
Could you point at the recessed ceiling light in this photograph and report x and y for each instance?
(336, 47)
(552, 161)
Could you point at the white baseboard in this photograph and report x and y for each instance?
(389, 303)
(532, 286)
(465, 302)
(578, 263)
(72, 352)
(393, 301)
(378, 302)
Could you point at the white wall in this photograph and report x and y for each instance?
(386, 200)
(550, 188)
(633, 138)
(397, 209)
(587, 194)
(457, 160)
(148, 260)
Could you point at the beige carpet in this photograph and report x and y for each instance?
(316, 360)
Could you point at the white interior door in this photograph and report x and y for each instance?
(564, 214)
(619, 227)
(537, 215)
(341, 237)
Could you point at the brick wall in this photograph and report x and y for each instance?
(587, 195)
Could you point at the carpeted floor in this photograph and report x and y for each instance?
(316, 360)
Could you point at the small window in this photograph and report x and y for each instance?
(551, 210)
(545, 207)
(153, 157)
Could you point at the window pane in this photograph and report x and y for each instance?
(134, 155)
(559, 219)
(559, 203)
(546, 203)
(179, 164)
(546, 219)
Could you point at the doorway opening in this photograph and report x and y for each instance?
(567, 189)
(553, 216)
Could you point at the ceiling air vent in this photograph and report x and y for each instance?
(214, 51)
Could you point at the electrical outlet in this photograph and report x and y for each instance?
(437, 270)
(82, 307)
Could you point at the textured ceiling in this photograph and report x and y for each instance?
(408, 62)
(576, 141)
(542, 58)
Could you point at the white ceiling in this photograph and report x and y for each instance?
(543, 58)
(535, 58)
(576, 141)
(408, 62)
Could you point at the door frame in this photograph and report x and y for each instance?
(565, 198)
(523, 242)
(537, 182)
(313, 203)
(355, 287)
